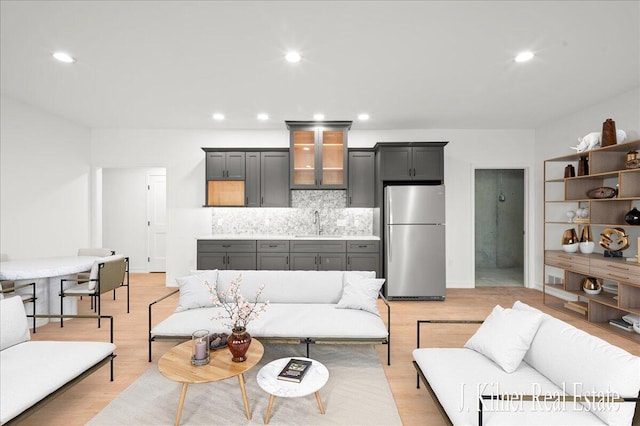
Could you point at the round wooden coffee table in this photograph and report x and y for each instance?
(176, 365)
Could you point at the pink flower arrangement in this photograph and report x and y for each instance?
(238, 311)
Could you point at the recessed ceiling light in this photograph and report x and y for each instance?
(263, 117)
(363, 117)
(293, 57)
(318, 116)
(218, 116)
(524, 56)
(64, 57)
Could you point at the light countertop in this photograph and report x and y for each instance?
(287, 237)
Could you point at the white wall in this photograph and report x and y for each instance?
(554, 140)
(179, 152)
(44, 183)
(124, 213)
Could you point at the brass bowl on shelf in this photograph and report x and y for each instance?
(591, 285)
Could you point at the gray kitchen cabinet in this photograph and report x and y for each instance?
(274, 179)
(226, 254)
(415, 161)
(363, 256)
(252, 180)
(318, 154)
(361, 190)
(320, 255)
(267, 179)
(273, 255)
(225, 165)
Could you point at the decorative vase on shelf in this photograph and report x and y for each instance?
(238, 343)
(632, 217)
(583, 166)
(587, 245)
(609, 136)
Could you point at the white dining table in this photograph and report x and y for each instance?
(47, 272)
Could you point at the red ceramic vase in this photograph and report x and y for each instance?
(238, 343)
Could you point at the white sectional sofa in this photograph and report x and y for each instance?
(34, 371)
(304, 307)
(524, 367)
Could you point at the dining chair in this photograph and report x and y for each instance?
(8, 289)
(94, 251)
(106, 274)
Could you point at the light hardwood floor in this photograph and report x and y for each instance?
(81, 402)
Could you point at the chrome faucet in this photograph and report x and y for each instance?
(316, 221)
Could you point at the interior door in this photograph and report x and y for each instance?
(156, 222)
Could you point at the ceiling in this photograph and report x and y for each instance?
(409, 64)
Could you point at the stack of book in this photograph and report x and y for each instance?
(620, 323)
(577, 306)
(295, 370)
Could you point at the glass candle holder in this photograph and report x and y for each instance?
(200, 347)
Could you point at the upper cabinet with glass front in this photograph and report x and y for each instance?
(318, 154)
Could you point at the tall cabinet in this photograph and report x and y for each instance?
(318, 154)
(564, 272)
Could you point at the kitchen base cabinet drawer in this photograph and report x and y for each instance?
(569, 261)
(275, 246)
(356, 246)
(273, 261)
(616, 270)
(226, 246)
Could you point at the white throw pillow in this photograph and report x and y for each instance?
(360, 293)
(13, 322)
(195, 290)
(505, 336)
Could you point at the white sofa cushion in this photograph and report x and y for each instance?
(321, 321)
(13, 322)
(288, 286)
(32, 370)
(568, 355)
(459, 376)
(505, 336)
(195, 290)
(360, 293)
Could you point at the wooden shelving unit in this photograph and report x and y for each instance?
(563, 272)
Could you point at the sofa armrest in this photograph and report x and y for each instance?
(150, 312)
(386, 302)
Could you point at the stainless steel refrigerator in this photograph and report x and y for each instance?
(414, 248)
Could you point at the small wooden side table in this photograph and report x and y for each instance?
(311, 383)
(176, 365)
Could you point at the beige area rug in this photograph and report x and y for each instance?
(357, 393)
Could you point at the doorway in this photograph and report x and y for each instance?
(499, 227)
(133, 216)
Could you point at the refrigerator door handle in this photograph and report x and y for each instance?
(388, 236)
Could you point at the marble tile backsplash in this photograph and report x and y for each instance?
(335, 218)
